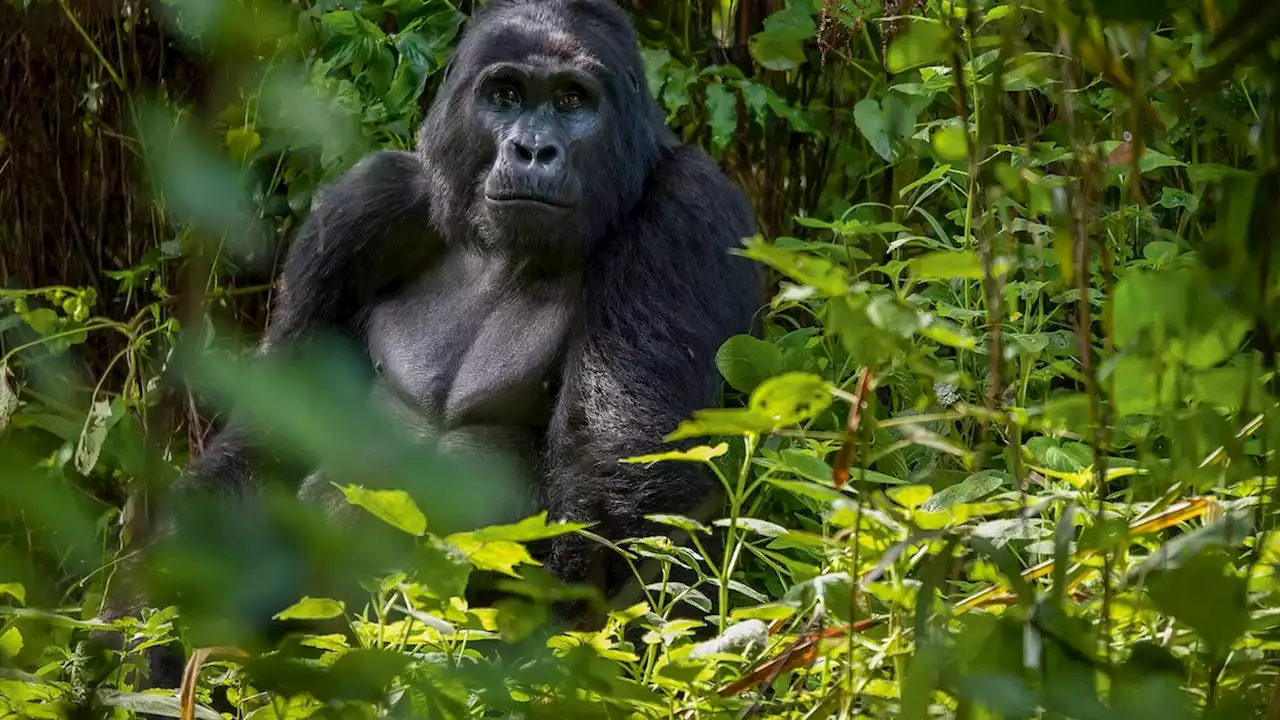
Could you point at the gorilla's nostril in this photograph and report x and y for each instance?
(522, 152)
(547, 154)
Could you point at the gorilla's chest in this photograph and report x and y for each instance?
(468, 345)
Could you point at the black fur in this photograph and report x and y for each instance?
(577, 337)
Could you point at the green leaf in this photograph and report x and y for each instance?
(971, 488)
(14, 590)
(951, 143)
(394, 507)
(923, 42)
(702, 453)
(10, 643)
(820, 492)
(1206, 595)
(94, 433)
(1071, 457)
(910, 496)
(1171, 197)
(885, 123)
(309, 608)
(791, 398)
(534, 527)
(947, 264)
(780, 46)
(721, 421)
(493, 555)
(806, 465)
(722, 114)
(804, 268)
(746, 361)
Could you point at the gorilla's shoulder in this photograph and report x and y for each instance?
(688, 186)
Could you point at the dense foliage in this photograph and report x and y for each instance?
(1003, 450)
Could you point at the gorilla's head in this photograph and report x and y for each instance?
(544, 131)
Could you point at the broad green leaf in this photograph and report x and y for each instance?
(746, 361)
(885, 123)
(791, 398)
(922, 42)
(910, 496)
(832, 592)
(780, 46)
(242, 142)
(805, 464)
(1171, 197)
(309, 608)
(1206, 594)
(394, 507)
(10, 643)
(1070, 457)
(971, 488)
(493, 555)
(14, 590)
(702, 453)
(951, 143)
(722, 114)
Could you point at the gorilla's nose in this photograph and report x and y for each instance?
(536, 153)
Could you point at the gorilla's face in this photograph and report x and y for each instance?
(543, 119)
(543, 134)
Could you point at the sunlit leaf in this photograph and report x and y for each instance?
(702, 453)
(920, 43)
(394, 507)
(910, 496)
(309, 608)
(791, 398)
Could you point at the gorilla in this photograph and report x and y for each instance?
(549, 274)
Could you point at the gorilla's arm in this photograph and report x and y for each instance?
(370, 230)
(662, 295)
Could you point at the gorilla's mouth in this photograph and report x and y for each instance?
(516, 199)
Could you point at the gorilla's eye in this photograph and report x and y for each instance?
(569, 101)
(505, 95)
